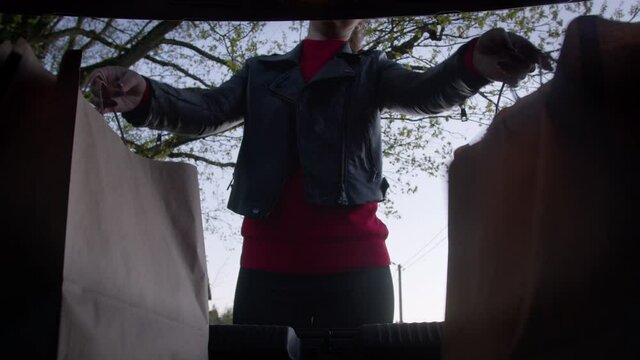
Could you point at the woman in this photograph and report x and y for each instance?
(309, 170)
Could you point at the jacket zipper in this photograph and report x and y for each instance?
(230, 184)
(342, 193)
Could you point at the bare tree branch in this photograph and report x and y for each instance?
(71, 41)
(53, 24)
(79, 31)
(168, 145)
(419, 119)
(177, 155)
(131, 55)
(196, 50)
(148, 42)
(138, 33)
(634, 15)
(407, 46)
(177, 68)
(482, 94)
(100, 34)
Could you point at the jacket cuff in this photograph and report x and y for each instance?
(468, 57)
(471, 75)
(139, 115)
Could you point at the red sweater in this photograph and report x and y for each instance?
(306, 239)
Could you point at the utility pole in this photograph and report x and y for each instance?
(400, 290)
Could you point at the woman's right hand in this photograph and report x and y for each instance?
(116, 89)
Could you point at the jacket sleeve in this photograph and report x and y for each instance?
(430, 92)
(192, 112)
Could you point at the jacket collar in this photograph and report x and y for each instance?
(289, 85)
(293, 56)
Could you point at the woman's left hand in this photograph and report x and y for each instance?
(506, 57)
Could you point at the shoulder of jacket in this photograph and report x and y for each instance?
(263, 57)
(252, 60)
(372, 55)
(369, 52)
(253, 63)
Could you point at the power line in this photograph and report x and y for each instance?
(427, 253)
(425, 245)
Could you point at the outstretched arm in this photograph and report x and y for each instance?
(497, 55)
(430, 92)
(156, 105)
(192, 112)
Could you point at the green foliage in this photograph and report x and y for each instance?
(27, 27)
(224, 318)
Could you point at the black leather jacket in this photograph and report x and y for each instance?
(330, 125)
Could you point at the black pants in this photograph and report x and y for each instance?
(344, 300)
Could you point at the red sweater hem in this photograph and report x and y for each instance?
(313, 258)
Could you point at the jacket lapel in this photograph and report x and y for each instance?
(290, 84)
(339, 66)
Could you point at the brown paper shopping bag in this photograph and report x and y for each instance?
(103, 256)
(543, 214)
